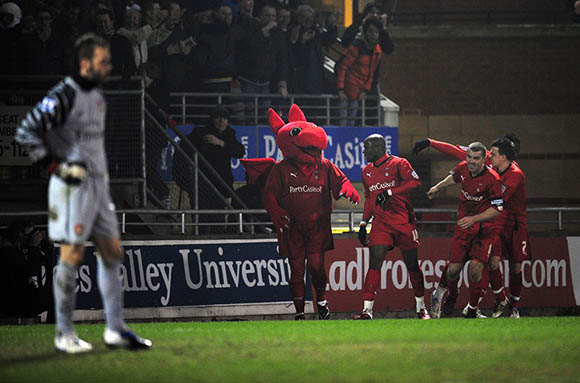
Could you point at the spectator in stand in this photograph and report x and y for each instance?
(216, 142)
(10, 33)
(137, 35)
(262, 55)
(172, 54)
(370, 10)
(69, 21)
(44, 51)
(161, 22)
(356, 70)
(121, 50)
(284, 18)
(26, 272)
(246, 9)
(307, 43)
(216, 51)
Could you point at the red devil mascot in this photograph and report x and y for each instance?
(298, 197)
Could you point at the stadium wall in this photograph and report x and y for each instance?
(247, 278)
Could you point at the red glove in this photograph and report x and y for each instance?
(349, 192)
(280, 219)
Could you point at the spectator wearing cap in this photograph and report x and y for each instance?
(218, 144)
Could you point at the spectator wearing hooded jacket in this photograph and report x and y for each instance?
(356, 70)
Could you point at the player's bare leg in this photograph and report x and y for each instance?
(372, 279)
(117, 334)
(66, 340)
(319, 280)
(496, 282)
(417, 281)
(515, 288)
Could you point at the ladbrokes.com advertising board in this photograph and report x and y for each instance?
(165, 275)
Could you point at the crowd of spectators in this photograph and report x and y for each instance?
(26, 272)
(237, 46)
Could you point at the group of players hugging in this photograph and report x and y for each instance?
(491, 220)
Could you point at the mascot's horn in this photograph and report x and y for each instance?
(295, 114)
(275, 120)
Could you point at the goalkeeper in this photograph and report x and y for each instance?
(67, 130)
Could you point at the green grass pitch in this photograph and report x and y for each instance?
(540, 349)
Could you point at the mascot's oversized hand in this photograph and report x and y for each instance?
(349, 192)
(280, 219)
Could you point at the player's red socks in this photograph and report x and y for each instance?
(418, 282)
(496, 281)
(478, 289)
(443, 280)
(371, 284)
(515, 287)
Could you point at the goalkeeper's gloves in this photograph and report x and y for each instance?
(362, 234)
(73, 173)
(383, 197)
(420, 145)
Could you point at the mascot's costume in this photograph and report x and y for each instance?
(298, 197)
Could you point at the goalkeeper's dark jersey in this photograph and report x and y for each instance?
(69, 125)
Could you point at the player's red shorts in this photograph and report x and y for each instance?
(515, 243)
(305, 237)
(476, 243)
(403, 236)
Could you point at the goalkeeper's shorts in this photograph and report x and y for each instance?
(79, 212)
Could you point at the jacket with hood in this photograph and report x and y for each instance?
(358, 65)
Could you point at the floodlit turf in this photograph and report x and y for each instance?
(544, 349)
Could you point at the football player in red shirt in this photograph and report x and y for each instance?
(514, 233)
(480, 205)
(515, 243)
(387, 182)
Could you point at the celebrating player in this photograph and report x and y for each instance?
(514, 237)
(387, 182)
(68, 128)
(514, 233)
(480, 203)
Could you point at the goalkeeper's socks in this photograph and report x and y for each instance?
(111, 293)
(371, 283)
(64, 296)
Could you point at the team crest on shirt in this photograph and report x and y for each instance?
(79, 229)
(387, 172)
(316, 175)
(503, 188)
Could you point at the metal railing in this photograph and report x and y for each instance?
(341, 218)
(250, 108)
